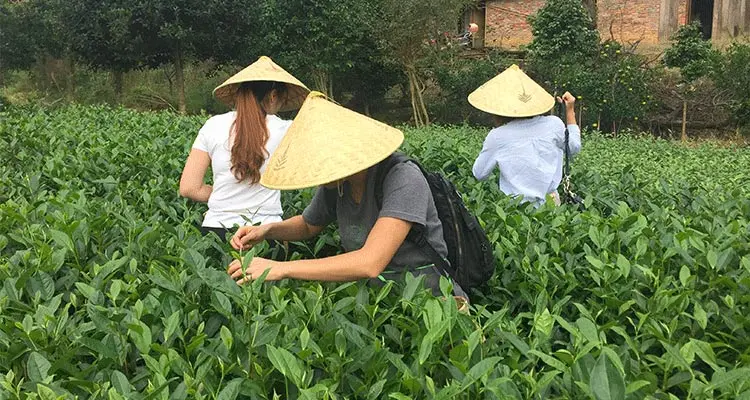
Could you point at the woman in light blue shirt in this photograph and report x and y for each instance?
(527, 146)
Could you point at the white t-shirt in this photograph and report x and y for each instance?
(232, 202)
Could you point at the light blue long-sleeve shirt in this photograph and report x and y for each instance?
(529, 153)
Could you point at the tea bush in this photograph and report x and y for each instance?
(109, 292)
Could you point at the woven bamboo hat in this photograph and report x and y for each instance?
(325, 143)
(512, 94)
(264, 70)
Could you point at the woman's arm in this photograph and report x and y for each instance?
(191, 182)
(485, 162)
(292, 230)
(381, 245)
(574, 132)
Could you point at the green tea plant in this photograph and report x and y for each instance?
(108, 291)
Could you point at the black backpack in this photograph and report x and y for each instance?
(471, 261)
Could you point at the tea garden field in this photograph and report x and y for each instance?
(108, 291)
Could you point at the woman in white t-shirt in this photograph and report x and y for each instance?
(237, 144)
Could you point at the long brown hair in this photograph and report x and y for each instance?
(250, 129)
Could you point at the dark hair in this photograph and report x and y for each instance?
(250, 130)
(500, 120)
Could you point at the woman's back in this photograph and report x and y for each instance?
(529, 153)
(232, 201)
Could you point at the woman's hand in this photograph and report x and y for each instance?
(568, 99)
(256, 268)
(248, 236)
(570, 110)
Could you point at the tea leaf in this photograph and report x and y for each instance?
(89, 292)
(706, 353)
(45, 393)
(37, 367)
(549, 360)
(376, 389)
(221, 303)
(140, 333)
(636, 386)
(544, 322)
(120, 383)
(712, 258)
(286, 363)
(721, 379)
(62, 239)
(606, 381)
(479, 370)
(231, 390)
(684, 275)
(588, 330)
(516, 342)
(412, 283)
(624, 265)
(304, 338)
(700, 315)
(226, 337)
(171, 324)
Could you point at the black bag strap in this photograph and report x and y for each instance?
(567, 191)
(417, 234)
(566, 164)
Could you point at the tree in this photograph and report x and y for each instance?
(31, 32)
(232, 33)
(171, 31)
(320, 39)
(404, 28)
(17, 42)
(105, 37)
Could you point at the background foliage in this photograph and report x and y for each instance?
(400, 61)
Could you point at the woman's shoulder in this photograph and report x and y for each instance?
(405, 173)
(551, 120)
(220, 120)
(276, 124)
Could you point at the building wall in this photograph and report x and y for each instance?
(731, 19)
(505, 22)
(651, 22)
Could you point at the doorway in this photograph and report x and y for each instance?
(702, 11)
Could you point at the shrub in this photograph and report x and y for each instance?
(734, 76)
(563, 32)
(693, 55)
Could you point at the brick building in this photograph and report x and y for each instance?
(503, 23)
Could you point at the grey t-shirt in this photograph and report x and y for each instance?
(406, 196)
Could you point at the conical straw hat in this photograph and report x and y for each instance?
(512, 94)
(264, 70)
(325, 143)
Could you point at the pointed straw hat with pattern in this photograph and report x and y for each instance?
(264, 70)
(512, 94)
(325, 143)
